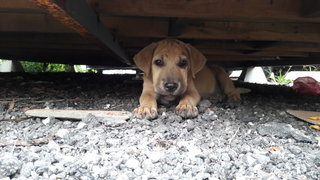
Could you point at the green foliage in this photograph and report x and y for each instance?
(33, 66)
(79, 69)
(281, 77)
(45, 67)
(310, 68)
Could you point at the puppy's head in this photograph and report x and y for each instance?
(169, 63)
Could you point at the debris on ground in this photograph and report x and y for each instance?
(255, 140)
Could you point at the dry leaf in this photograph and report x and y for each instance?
(314, 117)
(316, 127)
(275, 149)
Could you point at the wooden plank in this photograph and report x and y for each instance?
(120, 116)
(283, 61)
(176, 26)
(204, 29)
(248, 10)
(311, 8)
(141, 27)
(248, 53)
(35, 37)
(139, 43)
(18, 4)
(44, 41)
(81, 18)
(303, 32)
(235, 58)
(20, 22)
(253, 53)
(60, 56)
(158, 28)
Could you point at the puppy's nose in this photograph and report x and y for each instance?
(170, 86)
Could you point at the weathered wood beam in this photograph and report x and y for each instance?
(311, 8)
(45, 41)
(250, 31)
(247, 10)
(253, 53)
(283, 61)
(205, 29)
(78, 16)
(17, 4)
(133, 27)
(33, 22)
(176, 26)
(258, 45)
(60, 56)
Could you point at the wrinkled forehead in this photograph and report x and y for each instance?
(170, 49)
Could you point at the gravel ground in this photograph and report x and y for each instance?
(256, 140)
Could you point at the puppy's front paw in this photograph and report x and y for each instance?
(234, 96)
(187, 110)
(144, 112)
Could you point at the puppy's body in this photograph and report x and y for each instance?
(175, 70)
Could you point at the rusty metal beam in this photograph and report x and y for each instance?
(80, 17)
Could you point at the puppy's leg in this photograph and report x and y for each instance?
(148, 102)
(187, 105)
(226, 84)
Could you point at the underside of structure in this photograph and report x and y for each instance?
(234, 33)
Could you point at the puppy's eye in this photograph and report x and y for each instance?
(183, 63)
(158, 62)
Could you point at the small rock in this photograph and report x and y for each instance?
(49, 120)
(107, 106)
(225, 157)
(26, 169)
(190, 125)
(209, 115)
(294, 150)
(62, 133)
(46, 121)
(133, 163)
(249, 159)
(53, 146)
(282, 130)
(160, 129)
(261, 158)
(155, 156)
(9, 165)
(81, 125)
(204, 105)
(3, 107)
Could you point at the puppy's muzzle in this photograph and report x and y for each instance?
(170, 86)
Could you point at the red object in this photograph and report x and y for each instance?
(306, 85)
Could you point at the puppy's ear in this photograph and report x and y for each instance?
(144, 58)
(197, 60)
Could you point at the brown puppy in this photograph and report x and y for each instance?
(175, 70)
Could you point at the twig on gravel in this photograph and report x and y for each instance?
(234, 135)
(15, 120)
(15, 99)
(33, 142)
(117, 106)
(54, 100)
